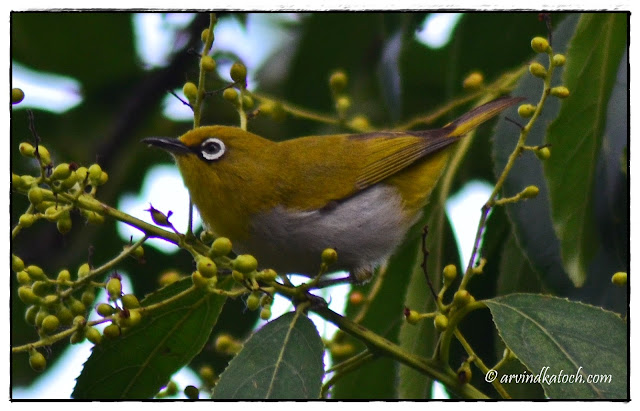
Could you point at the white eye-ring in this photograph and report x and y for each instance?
(212, 149)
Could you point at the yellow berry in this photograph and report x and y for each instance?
(329, 256)
(247, 102)
(41, 288)
(450, 272)
(221, 246)
(35, 195)
(82, 173)
(131, 319)
(30, 314)
(360, 123)
(64, 276)
(104, 177)
(230, 95)
(114, 288)
(343, 104)
(526, 110)
(26, 294)
(461, 298)
(45, 157)
(208, 63)
(441, 322)
(206, 373)
(238, 73)
(23, 278)
(50, 324)
(559, 60)
(190, 91)
(16, 263)
(35, 272)
(27, 149)
(204, 36)
(412, 316)
(199, 280)
(93, 335)
(245, 263)
(64, 315)
(530, 192)
(265, 313)
(111, 331)
(64, 223)
(619, 279)
(95, 172)
(540, 45)
(237, 276)
(207, 236)
(253, 301)
(37, 361)
(338, 81)
(26, 220)
(84, 270)
(267, 275)
(560, 92)
(61, 172)
(77, 307)
(538, 70)
(17, 95)
(543, 153)
(206, 267)
(473, 81)
(104, 310)
(130, 301)
(169, 277)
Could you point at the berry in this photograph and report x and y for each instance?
(35, 195)
(329, 256)
(530, 192)
(265, 313)
(230, 95)
(111, 331)
(199, 280)
(343, 104)
(245, 263)
(26, 220)
(338, 81)
(104, 310)
(238, 73)
(50, 323)
(543, 153)
(61, 172)
(560, 92)
(27, 295)
(540, 45)
(37, 361)
(84, 270)
(190, 91)
(208, 63)
(17, 95)
(412, 316)
(441, 322)
(16, 263)
(27, 150)
(221, 246)
(207, 267)
(93, 335)
(559, 60)
(30, 314)
(538, 70)
(114, 288)
(207, 236)
(95, 171)
(450, 272)
(130, 301)
(526, 110)
(461, 298)
(619, 279)
(473, 81)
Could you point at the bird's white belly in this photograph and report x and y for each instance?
(364, 229)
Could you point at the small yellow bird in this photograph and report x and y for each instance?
(285, 202)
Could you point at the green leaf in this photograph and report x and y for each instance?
(551, 335)
(282, 360)
(576, 135)
(141, 362)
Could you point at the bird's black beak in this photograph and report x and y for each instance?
(172, 145)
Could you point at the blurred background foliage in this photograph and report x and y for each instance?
(393, 76)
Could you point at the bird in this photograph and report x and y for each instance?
(285, 202)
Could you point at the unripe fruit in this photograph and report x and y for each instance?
(77, 307)
(50, 324)
(45, 157)
(16, 263)
(227, 345)
(221, 246)
(104, 310)
(441, 322)
(450, 272)
(265, 313)
(206, 373)
(131, 320)
(530, 192)
(42, 313)
(343, 104)
(190, 91)
(338, 81)
(70, 181)
(23, 278)
(538, 70)
(26, 181)
(266, 300)
(560, 92)
(619, 279)
(207, 63)
(41, 288)
(27, 295)
(206, 267)
(17, 95)
(61, 172)
(540, 45)
(95, 171)
(169, 277)
(82, 173)
(245, 263)
(461, 298)
(253, 301)
(247, 102)
(267, 275)
(199, 280)
(329, 256)
(64, 223)
(37, 361)
(412, 316)
(360, 123)
(130, 301)
(543, 153)
(526, 110)
(30, 314)
(237, 276)
(27, 149)
(204, 36)
(473, 81)
(50, 301)
(111, 331)
(35, 195)
(77, 337)
(230, 95)
(63, 276)
(26, 220)
(93, 335)
(64, 315)
(114, 288)
(238, 73)
(559, 60)
(207, 236)
(84, 270)
(36, 272)
(88, 297)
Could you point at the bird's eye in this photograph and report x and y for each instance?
(212, 149)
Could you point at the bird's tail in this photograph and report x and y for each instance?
(479, 115)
